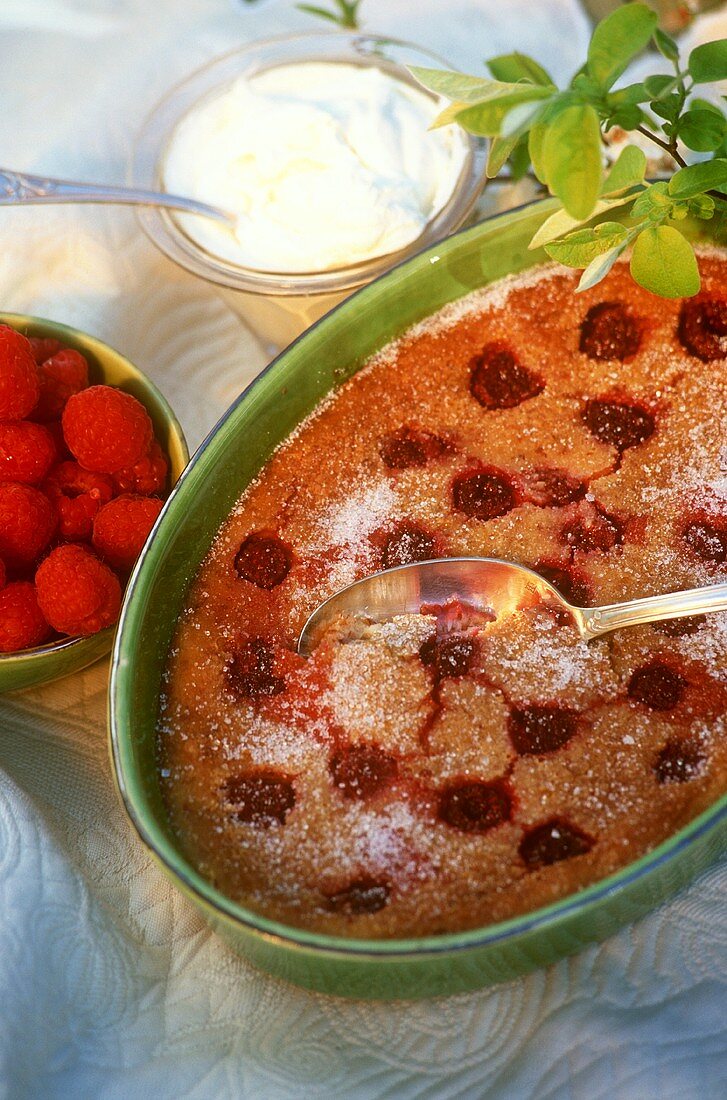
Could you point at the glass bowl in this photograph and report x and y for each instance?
(66, 655)
(264, 415)
(278, 307)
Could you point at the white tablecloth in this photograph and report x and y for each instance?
(110, 985)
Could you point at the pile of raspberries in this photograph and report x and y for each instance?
(81, 481)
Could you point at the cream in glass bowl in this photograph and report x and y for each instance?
(321, 147)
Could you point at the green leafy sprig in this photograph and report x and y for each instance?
(345, 13)
(557, 134)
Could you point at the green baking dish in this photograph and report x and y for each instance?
(231, 456)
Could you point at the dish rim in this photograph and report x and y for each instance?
(342, 947)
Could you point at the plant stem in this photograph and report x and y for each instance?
(669, 147)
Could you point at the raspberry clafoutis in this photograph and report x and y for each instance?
(81, 483)
(443, 771)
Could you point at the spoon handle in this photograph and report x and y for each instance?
(672, 605)
(19, 189)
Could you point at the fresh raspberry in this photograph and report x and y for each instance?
(43, 347)
(27, 521)
(21, 621)
(78, 495)
(147, 477)
(62, 375)
(106, 430)
(27, 452)
(19, 385)
(77, 593)
(121, 527)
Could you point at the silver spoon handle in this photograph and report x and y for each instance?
(672, 605)
(19, 188)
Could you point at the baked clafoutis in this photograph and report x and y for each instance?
(442, 771)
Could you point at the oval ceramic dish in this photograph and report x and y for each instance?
(55, 659)
(231, 456)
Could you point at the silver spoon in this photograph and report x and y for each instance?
(497, 586)
(20, 189)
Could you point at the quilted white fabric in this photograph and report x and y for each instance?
(110, 985)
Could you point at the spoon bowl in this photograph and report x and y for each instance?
(494, 586)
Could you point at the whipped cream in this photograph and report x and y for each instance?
(324, 164)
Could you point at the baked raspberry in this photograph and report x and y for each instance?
(618, 423)
(3, 574)
(22, 624)
(148, 477)
(593, 531)
(549, 487)
(570, 582)
(27, 522)
(263, 797)
(27, 452)
(702, 327)
(77, 593)
(365, 895)
(539, 729)
(657, 686)
(78, 495)
(359, 771)
(680, 760)
(19, 385)
(706, 537)
(499, 381)
(249, 673)
(106, 430)
(475, 806)
(408, 447)
(680, 628)
(484, 494)
(449, 656)
(608, 331)
(121, 528)
(263, 559)
(407, 544)
(551, 842)
(43, 347)
(61, 375)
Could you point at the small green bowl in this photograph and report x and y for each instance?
(229, 459)
(56, 659)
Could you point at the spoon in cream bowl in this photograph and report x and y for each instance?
(22, 189)
(496, 587)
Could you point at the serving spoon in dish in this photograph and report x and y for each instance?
(21, 189)
(497, 587)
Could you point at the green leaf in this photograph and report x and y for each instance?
(666, 46)
(500, 150)
(654, 202)
(709, 62)
(599, 267)
(487, 117)
(660, 84)
(560, 223)
(705, 105)
(628, 170)
(311, 9)
(517, 121)
(668, 108)
(572, 159)
(698, 177)
(663, 262)
(580, 248)
(628, 118)
(520, 158)
(448, 115)
(702, 131)
(618, 38)
(702, 206)
(628, 96)
(460, 86)
(517, 66)
(536, 137)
